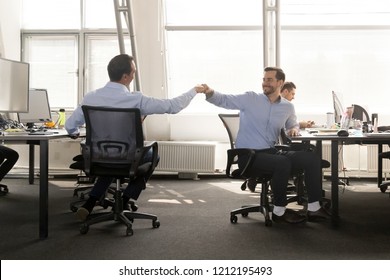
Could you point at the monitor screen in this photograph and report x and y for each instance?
(338, 108)
(14, 86)
(39, 109)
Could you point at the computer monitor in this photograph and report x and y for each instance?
(338, 108)
(39, 109)
(14, 86)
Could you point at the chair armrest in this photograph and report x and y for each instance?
(233, 154)
(140, 154)
(282, 147)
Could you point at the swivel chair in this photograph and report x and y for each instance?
(114, 147)
(231, 123)
(384, 155)
(359, 113)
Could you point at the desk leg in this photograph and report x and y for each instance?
(380, 165)
(31, 164)
(335, 182)
(43, 189)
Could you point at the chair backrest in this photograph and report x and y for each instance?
(114, 138)
(359, 113)
(231, 123)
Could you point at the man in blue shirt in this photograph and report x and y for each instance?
(121, 70)
(262, 116)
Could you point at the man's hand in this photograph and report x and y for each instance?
(306, 124)
(293, 132)
(207, 89)
(199, 89)
(74, 136)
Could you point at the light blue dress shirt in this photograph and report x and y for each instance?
(260, 120)
(118, 96)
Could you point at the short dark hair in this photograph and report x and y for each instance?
(289, 86)
(279, 72)
(119, 65)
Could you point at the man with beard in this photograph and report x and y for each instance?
(262, 116)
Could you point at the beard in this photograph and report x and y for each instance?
(268, 90)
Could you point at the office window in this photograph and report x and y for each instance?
(99, 50)
(54, 66)
(354, 63)
(217, 42)
(336, 45)
(69, 56)
(325, 45)
(99, 14)
(51, 14)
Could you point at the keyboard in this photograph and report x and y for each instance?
(41, 132)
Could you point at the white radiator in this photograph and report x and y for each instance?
(327, 155)
(372, 159)
(187, 157)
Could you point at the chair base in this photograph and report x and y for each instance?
(119, 215)
(245, 210)
(383, 187)
(263, 206)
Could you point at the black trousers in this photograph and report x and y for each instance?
(282, 164)
(8, 158)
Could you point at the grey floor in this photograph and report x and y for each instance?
(195, 224)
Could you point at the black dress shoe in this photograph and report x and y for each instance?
(251, 184)
(290, 217)
(317, 216)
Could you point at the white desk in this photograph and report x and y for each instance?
(43, 142)
(335, 142)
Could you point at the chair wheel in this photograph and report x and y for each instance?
(233, 219)
(243, 186)
(73, 208)
(268, 223)
(84, 228)
(156, 224)
(383, 188)
(3, 189)
(129, 231)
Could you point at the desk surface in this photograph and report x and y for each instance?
(43, 142)
(336, 141)
(363, 138)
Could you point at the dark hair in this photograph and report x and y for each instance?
(289, 86)
(119, 65)
(279, 72)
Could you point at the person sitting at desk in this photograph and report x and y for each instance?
(121, 70)
(8, 158)
(262, 116)
(288, 92)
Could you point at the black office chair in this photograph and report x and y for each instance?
(231, 123)
(359, 113)
(384, 155)
(84, 186)
(114, 147)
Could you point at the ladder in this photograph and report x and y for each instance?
(123, 7)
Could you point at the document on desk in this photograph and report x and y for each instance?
(326, 132)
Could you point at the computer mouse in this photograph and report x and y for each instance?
(342, 132)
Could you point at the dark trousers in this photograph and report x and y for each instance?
(133, 189)
(284, 163)
(8, 158)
